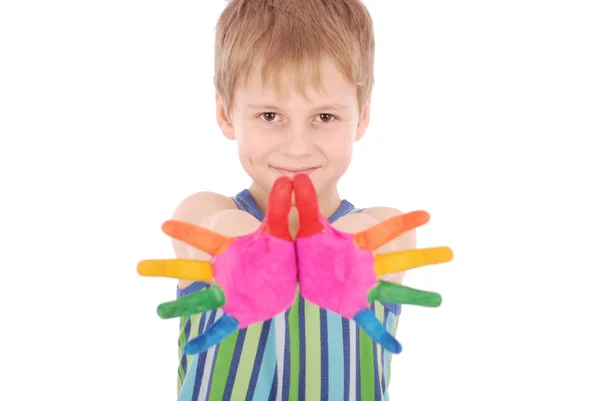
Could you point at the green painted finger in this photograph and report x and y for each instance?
(400, 294)
(198, 302)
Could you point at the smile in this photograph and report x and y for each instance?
(293, 171)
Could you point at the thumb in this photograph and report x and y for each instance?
(308, 206)
(278, 209)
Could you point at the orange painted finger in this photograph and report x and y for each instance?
(395, 262)
(201, 238)
(183, 269)
(380, 234)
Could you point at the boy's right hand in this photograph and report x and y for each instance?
(253, 277)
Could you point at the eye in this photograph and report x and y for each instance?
(326, 117)
(268, 117)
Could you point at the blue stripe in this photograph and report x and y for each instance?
(201, 363)
(358, 376)
(267, 369)
(324, 355)
(286, 359)
(346, 338)
(187, 390)
(385, 355)
(235, 363)
(211, 320)
(260, 352)
(302, 330)
(274, 386)
(376, 381)
(335, 342)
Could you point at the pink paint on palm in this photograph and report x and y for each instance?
(334, 273)
(258, 275)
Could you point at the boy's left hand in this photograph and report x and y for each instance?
(338, 271)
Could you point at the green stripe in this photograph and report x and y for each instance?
(222, 366)
(379, 314)
(247, 362)
(294, 328)
(367, 367)
(313, 351)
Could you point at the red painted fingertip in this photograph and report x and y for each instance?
(308, 206)
(278, 209)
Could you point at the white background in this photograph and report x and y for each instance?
(486, 114)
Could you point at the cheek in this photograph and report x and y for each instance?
(254, 144)
(338, 148)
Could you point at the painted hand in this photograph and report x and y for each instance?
(339, 272)
(253, 277)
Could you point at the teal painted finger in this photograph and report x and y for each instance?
(400, 294)
(198, 302)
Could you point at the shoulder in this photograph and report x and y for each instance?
(196, 207)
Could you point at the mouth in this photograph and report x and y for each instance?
(290, 172)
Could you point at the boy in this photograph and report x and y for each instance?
(293, 87)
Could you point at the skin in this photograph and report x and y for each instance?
(283, 134)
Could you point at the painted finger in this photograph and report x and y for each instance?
(183, 269)
(400, 294)
(380, 234)
(395, 262)
(278, 209)
(201, 238)
(216, 333)
(198, 302)
(367, 321)
(308, 206)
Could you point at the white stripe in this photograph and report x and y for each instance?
(210, 356)
(352, 361)
(279, 322)
(380, 366)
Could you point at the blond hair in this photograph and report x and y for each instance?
(293, 36)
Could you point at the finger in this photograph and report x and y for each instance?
(198, 302)
(367, 321)
(400, 294)
(201, 238)
(183, 269)
(395, 262)
(278, 209)
(308, 206)
(216, 333)
(380, 234)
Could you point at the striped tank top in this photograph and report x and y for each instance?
(305, 353)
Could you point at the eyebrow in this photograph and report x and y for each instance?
(323, 107)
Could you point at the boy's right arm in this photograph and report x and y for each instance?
(214, 212)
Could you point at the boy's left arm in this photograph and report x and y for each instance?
(356, 222)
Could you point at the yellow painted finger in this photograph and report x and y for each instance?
(394, 262)
(183, 269)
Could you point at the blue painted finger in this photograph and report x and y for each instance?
(367, 321)
(214, 335)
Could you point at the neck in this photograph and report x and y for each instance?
(329, 202)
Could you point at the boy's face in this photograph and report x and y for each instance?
(285, 136)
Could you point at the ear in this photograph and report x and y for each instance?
(364, 118)
(223, 119)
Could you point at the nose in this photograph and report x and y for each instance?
(298, 142)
